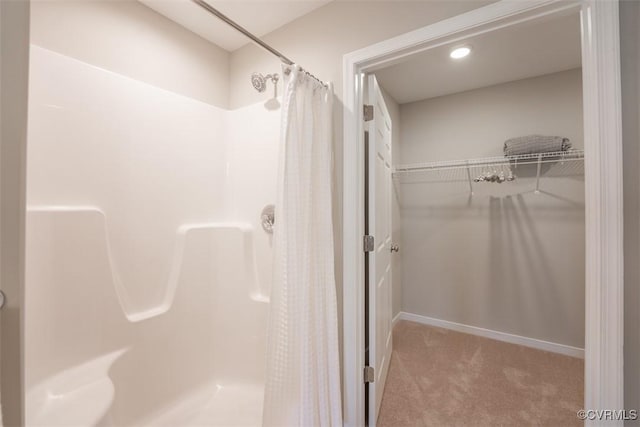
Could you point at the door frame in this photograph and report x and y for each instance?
(14, 79)
(603, 184)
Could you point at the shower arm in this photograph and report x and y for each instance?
(273, 77)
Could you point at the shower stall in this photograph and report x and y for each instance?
(148, 262)
(147, 267)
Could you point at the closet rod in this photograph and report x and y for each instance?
(522, 159)
(206, 6)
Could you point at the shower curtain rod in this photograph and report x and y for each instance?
(206, 6)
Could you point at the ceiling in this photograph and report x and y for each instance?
(260, 17)
(517, 52)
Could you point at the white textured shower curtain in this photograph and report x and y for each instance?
(303, 371)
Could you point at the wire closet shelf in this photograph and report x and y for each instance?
(497, 169)
(514, 161)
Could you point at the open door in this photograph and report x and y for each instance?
(378, 242)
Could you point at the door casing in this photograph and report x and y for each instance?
(603, 184)
(14, 75)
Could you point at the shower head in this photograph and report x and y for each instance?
(259, 81)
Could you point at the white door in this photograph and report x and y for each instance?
(378, 225)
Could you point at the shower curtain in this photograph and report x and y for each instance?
(303, 372)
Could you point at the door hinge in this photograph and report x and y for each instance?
(368, 113)
(369, 374)
(368, 243)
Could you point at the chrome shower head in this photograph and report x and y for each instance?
(259, 82)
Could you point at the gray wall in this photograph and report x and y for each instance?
(14, 64)
(505, 259)
(128, 38)
(475, 123)
(630, 64)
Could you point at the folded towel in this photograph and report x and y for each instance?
(532, 144)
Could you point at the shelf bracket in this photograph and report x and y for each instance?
(537, 191)
(469, 178)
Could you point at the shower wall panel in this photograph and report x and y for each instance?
(147, 271)
(149, 159)
(253, 161)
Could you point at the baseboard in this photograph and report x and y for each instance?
(496, 335)
(395, 319)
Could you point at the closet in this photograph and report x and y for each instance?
(487, 207)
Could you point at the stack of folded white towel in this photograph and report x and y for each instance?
(533, 144)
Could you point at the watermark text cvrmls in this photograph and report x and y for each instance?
(608, 414)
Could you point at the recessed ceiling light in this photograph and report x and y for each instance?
(460, 52)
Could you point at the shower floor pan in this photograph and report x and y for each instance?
(214, 405)
(83, 396)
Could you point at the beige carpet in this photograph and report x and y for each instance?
(439, 377)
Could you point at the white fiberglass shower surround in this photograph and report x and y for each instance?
(148, 272)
